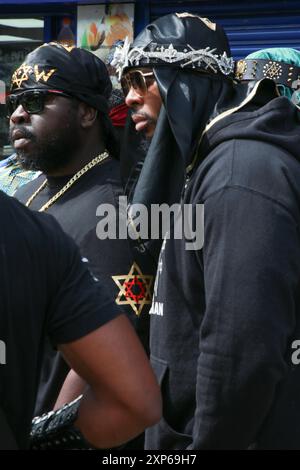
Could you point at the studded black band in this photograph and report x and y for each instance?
(55, 430)
(257, 69)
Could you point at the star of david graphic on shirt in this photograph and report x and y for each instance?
(135, 289)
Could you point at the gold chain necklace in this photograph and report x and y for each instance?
(99, 159)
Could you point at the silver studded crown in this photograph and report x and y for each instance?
(184, 56)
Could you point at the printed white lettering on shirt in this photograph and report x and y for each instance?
(157, 308)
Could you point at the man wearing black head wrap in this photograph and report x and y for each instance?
(59, 124)
(225, 313)
(54, 73)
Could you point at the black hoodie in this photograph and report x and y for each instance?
(225, 317)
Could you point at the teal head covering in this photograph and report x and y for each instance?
(281, 54)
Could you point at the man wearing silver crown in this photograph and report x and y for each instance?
(225, 318)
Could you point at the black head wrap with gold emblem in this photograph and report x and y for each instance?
(65, 68)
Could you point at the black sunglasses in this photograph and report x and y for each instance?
(33, 101)
(138, 80)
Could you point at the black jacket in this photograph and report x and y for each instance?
(225, 317)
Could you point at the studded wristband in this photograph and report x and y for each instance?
(55, 430)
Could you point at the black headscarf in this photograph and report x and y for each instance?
(66, 68)
(189, 93)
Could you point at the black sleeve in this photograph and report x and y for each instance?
(79, 304)
(251, 274)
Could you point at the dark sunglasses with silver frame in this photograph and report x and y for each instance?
(138, 80)
(33, 101)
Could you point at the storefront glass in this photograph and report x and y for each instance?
(18, 37)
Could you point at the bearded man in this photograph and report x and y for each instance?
(59, 125)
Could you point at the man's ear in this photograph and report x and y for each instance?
(87, 115)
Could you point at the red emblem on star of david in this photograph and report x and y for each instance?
(135, 289)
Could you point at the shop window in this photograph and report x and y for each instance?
(18, 37)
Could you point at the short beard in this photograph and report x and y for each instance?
(52, 153)
(151, 120)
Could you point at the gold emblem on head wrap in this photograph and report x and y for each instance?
(21, 75)
(206, 21)
(42, 75)
(66, 46)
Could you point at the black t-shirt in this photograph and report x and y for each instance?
(46, 290)
(110, 260)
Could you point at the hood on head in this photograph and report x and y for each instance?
(259, 118)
